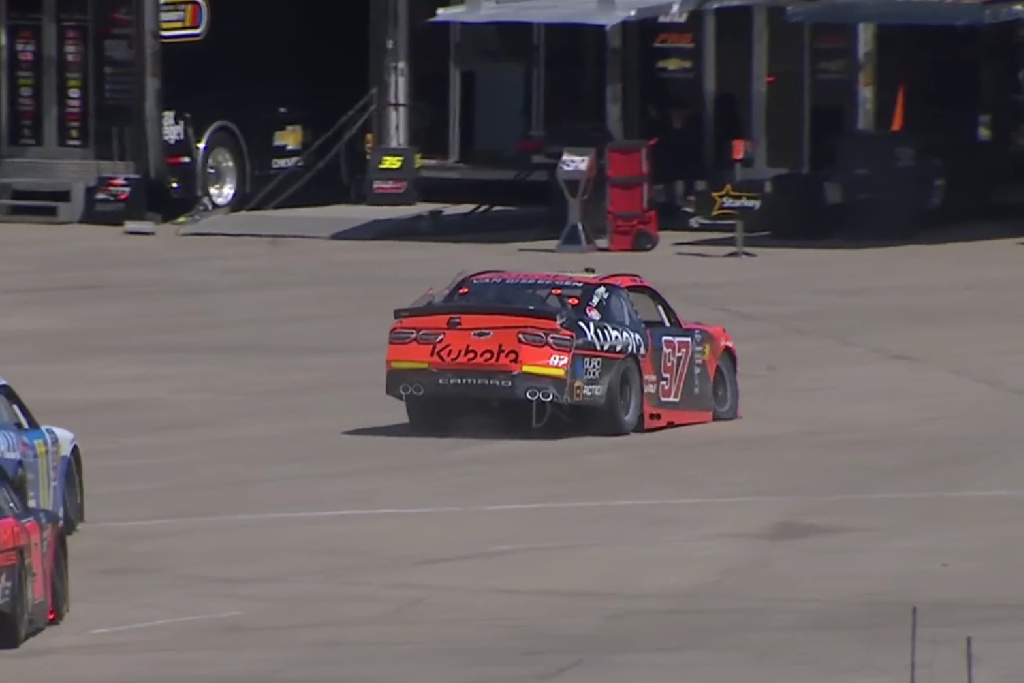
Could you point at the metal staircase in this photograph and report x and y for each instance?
(50, 190)
(315, 159)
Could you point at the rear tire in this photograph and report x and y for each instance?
(725, 390)
(14, 622)
(427, 418)
(73, 507)
(622, 412)
(60, 584)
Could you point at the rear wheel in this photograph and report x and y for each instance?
(60, 584)
(223, 171)
(73, 508)
(427, 418)
(725, 390)
(622, 412)
(14, 621)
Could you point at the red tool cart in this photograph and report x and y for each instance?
(632, 223)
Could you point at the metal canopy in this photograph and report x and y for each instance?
(908, 12)
(592, 12)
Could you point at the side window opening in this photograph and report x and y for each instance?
(650, 310)
(621, 310)
(24, 415)
(9, 503)
(9, 416)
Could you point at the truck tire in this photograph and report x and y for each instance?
(223, 171)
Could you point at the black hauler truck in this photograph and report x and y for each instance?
(134, 106)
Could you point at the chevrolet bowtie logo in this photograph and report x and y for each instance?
(290, 138)
(674, 64)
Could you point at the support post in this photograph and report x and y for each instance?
(397, 43)
(867, 61)
(613, 81)
(709, 83)
(759, 87)
(454, 95)
(538, 78)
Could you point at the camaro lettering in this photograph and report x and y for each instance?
(606, 337)
(475, 381)
(446, 353)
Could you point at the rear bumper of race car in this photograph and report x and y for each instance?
(502, 386)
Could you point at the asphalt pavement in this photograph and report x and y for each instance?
(257, 511)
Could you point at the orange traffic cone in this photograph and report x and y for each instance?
(897, 114)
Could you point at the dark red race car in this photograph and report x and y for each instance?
(34, 588)
(607, 349)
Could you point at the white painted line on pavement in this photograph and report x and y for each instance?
(526, 507)
(164, 622)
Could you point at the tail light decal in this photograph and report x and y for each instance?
(538, 339)
(401, 336)
(561, 342)
(428, 337)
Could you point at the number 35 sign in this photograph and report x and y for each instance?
(391, 177)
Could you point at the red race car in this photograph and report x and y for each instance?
(605, 349)
(34, 588)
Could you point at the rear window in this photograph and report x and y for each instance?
(583, 299)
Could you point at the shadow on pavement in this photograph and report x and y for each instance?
(494, 226)
(946, 234)
(452, 223)
(475, 431)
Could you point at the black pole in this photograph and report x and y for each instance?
(970, 660)
(913, 644)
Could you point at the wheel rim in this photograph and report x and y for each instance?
(722, 392)
(221, 176)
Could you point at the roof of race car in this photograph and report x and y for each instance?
(589, 276)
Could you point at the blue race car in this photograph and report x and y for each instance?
(43, 462)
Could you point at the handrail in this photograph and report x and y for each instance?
(310, 173)
(368, 102)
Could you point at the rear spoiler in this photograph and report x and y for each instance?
(472, 309)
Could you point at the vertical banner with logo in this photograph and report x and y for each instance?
(25, 75)
(675, 57)
(72, 70)
(832, 54)
(117, 88)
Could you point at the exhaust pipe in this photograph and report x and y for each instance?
(417, 389)
(532, 394)
(405, 390)
(546, 395)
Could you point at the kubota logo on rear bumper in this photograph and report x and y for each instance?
(446, 353)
